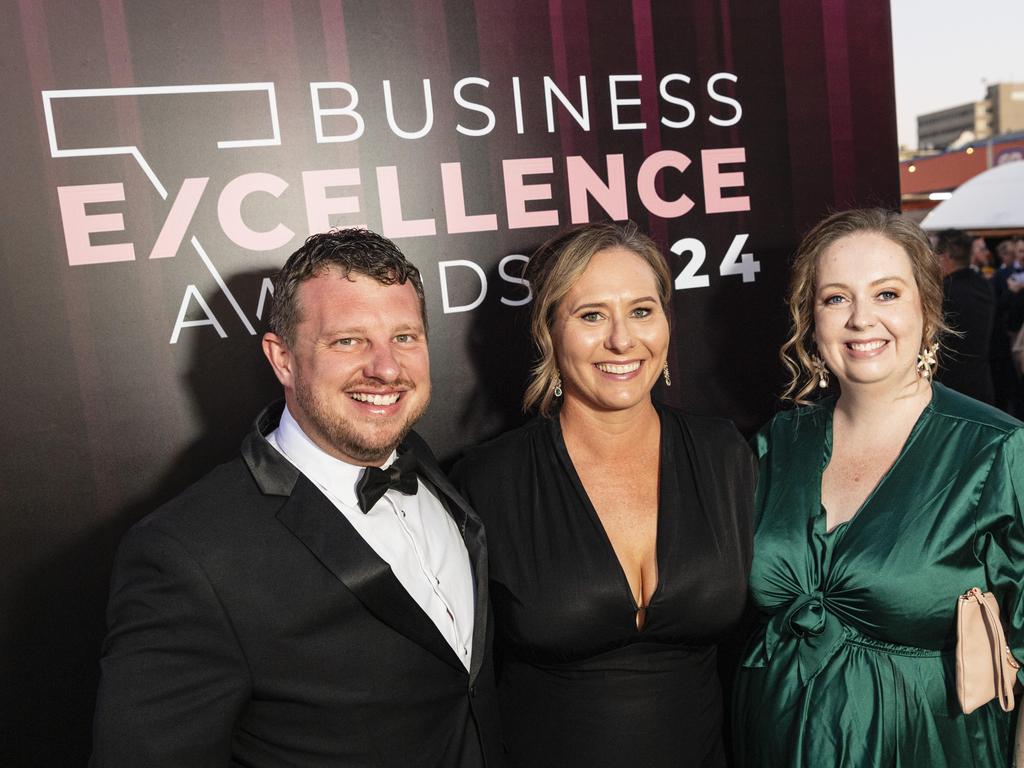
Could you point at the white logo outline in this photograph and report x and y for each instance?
(79, 93)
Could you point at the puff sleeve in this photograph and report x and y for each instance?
(1000, 537)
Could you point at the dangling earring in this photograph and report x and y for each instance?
(665, 374)
(558, 383)
(927, 361)
(818, 368)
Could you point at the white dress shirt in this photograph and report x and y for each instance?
(412, 534)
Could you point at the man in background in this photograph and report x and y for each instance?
(1006, 252)
(1007, 284)
(969, 307)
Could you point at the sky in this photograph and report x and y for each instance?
(946, 52)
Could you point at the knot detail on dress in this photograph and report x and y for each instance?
(805, 616)
(807, 631)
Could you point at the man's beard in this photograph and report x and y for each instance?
(353, 439)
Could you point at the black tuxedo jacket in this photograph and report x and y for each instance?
(250, 625)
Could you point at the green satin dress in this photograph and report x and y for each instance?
(853, 662)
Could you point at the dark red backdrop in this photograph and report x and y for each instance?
(106, 418)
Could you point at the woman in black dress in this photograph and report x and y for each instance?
(618, 530)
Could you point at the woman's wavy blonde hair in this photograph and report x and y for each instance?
(799, 347)
(554, 268)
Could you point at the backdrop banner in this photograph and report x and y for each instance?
(164, 158)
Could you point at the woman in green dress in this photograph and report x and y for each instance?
(877, 508)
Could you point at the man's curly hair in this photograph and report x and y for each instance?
(354, 250)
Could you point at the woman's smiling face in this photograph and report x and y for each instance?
(868, 318)
(611, 334)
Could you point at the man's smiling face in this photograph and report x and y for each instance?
(357, 375)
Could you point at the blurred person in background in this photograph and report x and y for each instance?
(1006, 284)
(981, 257)
(1009, 264)
(969, 308)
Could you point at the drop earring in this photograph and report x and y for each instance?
(927, 361)
(665, 374)
(558, 383)
(819, 370)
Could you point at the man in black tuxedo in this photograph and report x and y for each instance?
(299, 606)
(969, 307)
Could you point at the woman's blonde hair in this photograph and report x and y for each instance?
(554, 268)
(799, 347)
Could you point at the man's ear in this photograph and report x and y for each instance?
(280, 358)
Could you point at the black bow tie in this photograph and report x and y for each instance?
(375, 482)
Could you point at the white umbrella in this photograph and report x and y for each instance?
(991, 200)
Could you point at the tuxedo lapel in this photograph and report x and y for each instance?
(472, 534)
(338, 546)
(325, 532)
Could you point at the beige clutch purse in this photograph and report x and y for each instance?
(985, 668)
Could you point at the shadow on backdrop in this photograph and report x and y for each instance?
(62, 606)
(501, 353)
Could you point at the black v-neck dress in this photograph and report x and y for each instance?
(579, 684)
